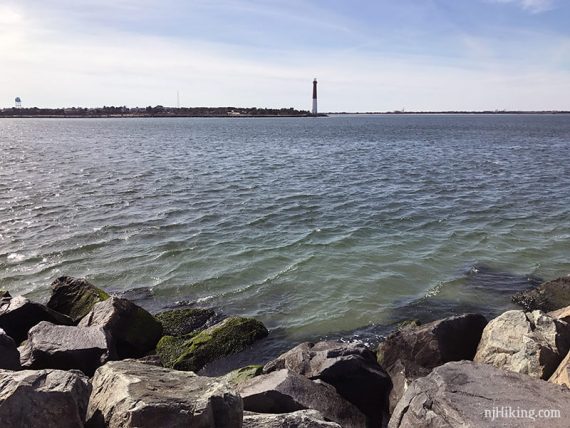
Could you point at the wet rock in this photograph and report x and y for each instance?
(43, 399)
(5, 294)
(284, 391)
(192, 352)
(239, 376)
(134, 331)
(66, 347)
(178, 322)
(18, 315)
(548, 296)
(350, 367)
(414, 351)
(561, 375)
(531, 343)
(298, 419)
(130, 394)
(465, 394)
(9, 355)
(74, 297)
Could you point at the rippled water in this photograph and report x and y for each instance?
(326, 226)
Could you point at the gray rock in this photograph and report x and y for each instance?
(179, 322)
(414, 351)
(74, 297)
(470, 395)
(532, 343)
(66, 347)
(130, 394)
(350, 367)
(9, 355)
(548, 296)
(298, 419)
(43, 399)
(284, 391)
(18, 315)
(134, 331)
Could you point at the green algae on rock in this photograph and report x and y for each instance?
(180, 322)
(74, 297)
(192, 352)
(244, 374)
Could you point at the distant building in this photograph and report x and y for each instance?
(314, 111)
(18, 102)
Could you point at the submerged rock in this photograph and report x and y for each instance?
(43, 399)
(465, 394)
(350, 367)
(18, 315)
(66, 347)
(548, 296)
(531, 343)
(135, 332)
(413, 352)
(284, 391)
(178, 322)
(298, 419)
(9, 355)
(192, 352)
(74, 297)
(130, 394)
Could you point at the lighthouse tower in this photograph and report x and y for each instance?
(314, 111)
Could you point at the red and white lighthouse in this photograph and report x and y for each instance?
(314, 111)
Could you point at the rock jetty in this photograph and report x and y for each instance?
(92, 359)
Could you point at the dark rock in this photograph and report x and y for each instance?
(298, 419)
(412, 352)
(134, 331)
(66, 347)
(532, 343)
(561, 375)
(179, 322)
(9, 355)
(192, 352)
(18, 315)
(5, 294)
(466, 394)
(284, 391)
(548, 296)
(43, 399)
(74, 297)
(130, 394)
(350, 367)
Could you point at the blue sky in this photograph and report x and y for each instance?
(368, 55)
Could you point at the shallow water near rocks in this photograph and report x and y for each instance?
(329, 227)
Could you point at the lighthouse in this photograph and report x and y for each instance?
(314, 111)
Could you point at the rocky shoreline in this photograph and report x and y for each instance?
(90, 359)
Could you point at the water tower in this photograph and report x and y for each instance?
(18, 102)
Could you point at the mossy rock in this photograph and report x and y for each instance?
(408, 324)
(548, 296)
(74, 297)
(192, 352)
(180, 322)
(239, 376)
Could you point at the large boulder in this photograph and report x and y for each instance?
(192, 352)
(74, 297)
(130, 394)
(9, 355)
(43, 399)
(179, 322)
(298, 419)
(66, 347)
(350, 367)
(532, 343)
(561, 375)
(548, 296)
(18, 315)
(470, 395)
(414, 351)
(134, 331)
(284, 391)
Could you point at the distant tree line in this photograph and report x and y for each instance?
(150, 111)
